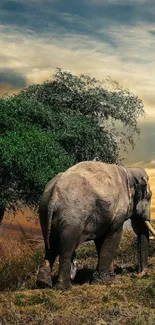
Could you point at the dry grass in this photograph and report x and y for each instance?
(130, 301)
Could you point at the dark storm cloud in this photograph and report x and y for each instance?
(75, 17)
(13, 6)
(13, 78)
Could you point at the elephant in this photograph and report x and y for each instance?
(91, 201)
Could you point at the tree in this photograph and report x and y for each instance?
(104, 101)
(47, 128)
(29, 154)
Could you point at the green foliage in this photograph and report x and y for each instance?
(29, 157)
(49, 127)
(105, 101)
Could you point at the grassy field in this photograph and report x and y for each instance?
(129, 301)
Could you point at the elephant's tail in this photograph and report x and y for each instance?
(51, 209)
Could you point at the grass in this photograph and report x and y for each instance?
(130, 301)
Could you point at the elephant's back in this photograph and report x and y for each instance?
(92, 178)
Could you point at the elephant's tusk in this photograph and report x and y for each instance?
(150, 227)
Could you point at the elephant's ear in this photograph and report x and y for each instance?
(141, 184)
(141, 180)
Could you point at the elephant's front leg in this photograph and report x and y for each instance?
(106, 249)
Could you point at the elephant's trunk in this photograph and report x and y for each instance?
(149, 226)
(142, 232)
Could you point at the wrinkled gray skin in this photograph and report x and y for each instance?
(91, 201)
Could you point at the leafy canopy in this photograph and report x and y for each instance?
(48, 127)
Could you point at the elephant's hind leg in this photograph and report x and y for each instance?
(44, 278)
(68, 242)
(106, 249)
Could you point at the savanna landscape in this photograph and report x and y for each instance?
(44, 130)
(129, 301)
(98, 106)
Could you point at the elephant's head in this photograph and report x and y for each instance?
(142, 197)
(140, 218)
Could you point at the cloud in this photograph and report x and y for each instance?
(120, 2)
(12, 5)
(35, 57)
(49, 34)
(144, 152)
(13, 78)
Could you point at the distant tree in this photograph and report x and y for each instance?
(47, 128)
(104, 101)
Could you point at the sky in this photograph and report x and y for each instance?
(99, 38)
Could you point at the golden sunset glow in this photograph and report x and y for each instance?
(151, 173)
